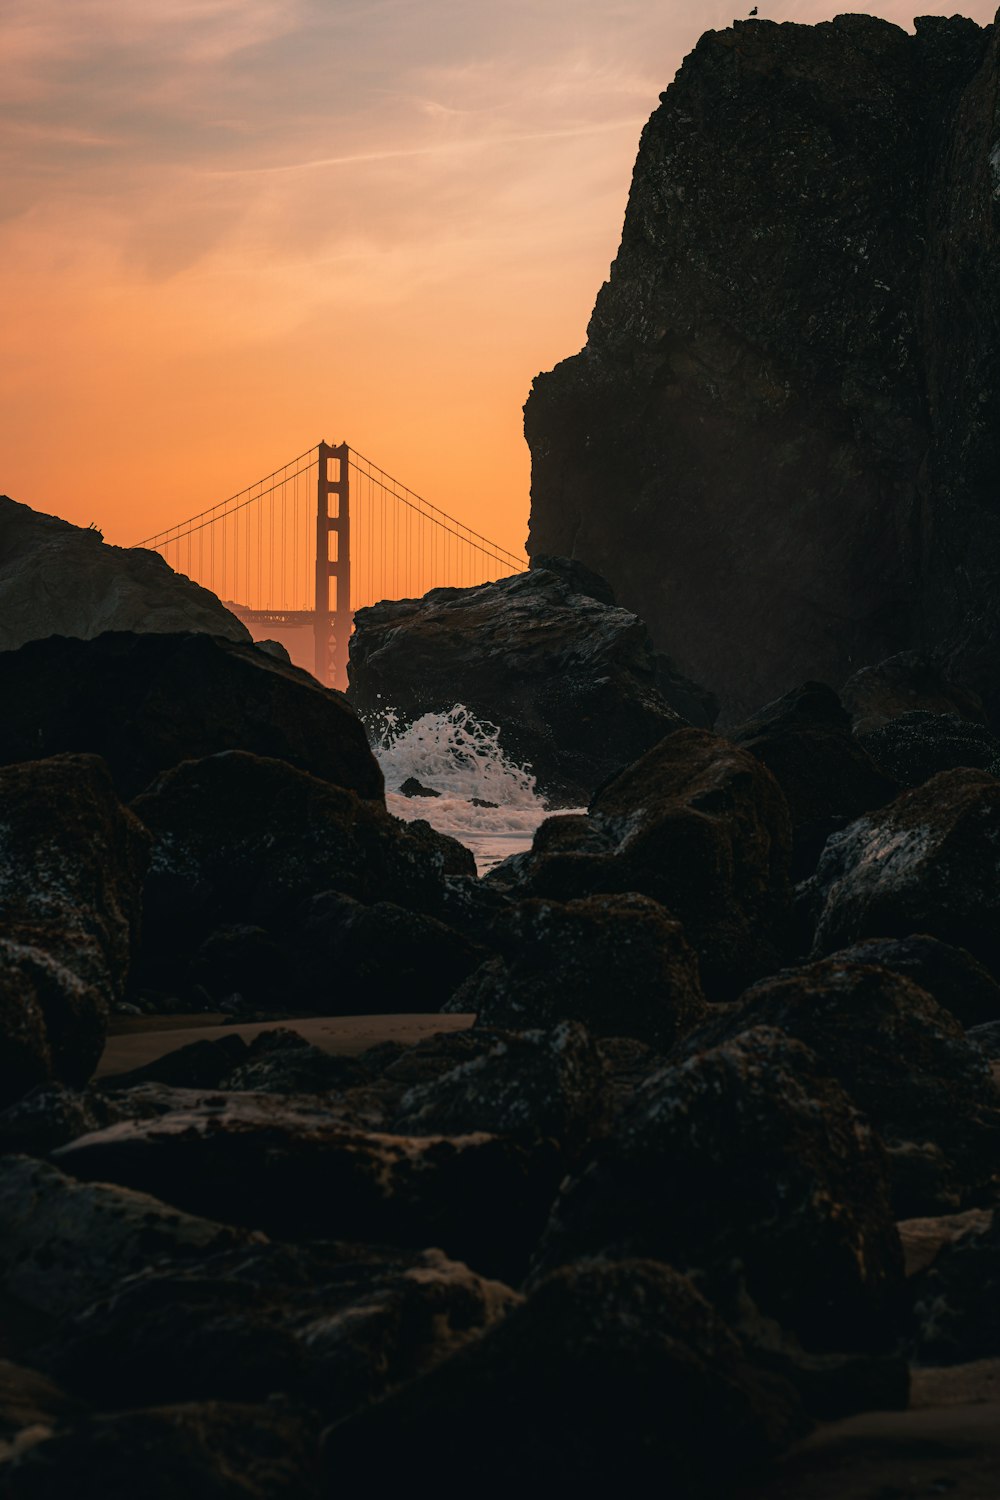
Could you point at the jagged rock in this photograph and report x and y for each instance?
(950, 974)
(986, 1038)
(291, 1168)
(49, 1115)
(282, 1062)
(609, 1379)
(924, 1239)
(147, 702)
(71, 866)
(206, 1451)
(619, 964)
(330, 1324)
(388, 959)
(805, 741)
(58, 579)
(66, 1243)
(699, 825)
(411, 787)
(956, 1298)
(916, 746)
(904, 684)
(927, 863)
(781, 441)
(570, 679)
(198, 1065)
(239, 839)
(901, 1057)
(752, 1172)
(549, 1083)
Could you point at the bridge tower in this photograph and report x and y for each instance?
(332, 620)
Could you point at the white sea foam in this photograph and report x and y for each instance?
(462, 758)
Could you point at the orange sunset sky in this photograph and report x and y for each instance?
(233, 227)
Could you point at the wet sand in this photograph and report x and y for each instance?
(137, 1040)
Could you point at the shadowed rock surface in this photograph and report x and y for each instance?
(607, 1378)
(780, 443)
(910, 682)
(59, 579)
(751, 1171)
(571, 679)
(916, 746)
(147, 702)
(950, 974)
(926, 863)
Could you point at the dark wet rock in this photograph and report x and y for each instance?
(31, 1407)
(550, 1083)
(411, 787)
(750, 1170)
(282, 1062)
(387, 958)
(924, 1239)
(907, 683)
(927, 863)
(781, 441)
(570, 679)
(239, 965)
(608, 1378)
(60, 579)
(334, 1325)
(916, 746)
(65, 1243)
(198, 1065)
(699, 825)
(50, 1115)
(204, 1451)
(71, 866)
(238, 839)
(147, 702)
(619, 964)
(628, 1064)
(956, 1298)
(901, 1057)
(291, 1168)
(987, 1038)
(805, 741)
(950, 974)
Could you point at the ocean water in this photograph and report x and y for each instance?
(464, 760)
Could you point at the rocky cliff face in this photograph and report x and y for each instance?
(58, 579)
(781, 442)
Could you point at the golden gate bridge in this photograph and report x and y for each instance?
(325, 534)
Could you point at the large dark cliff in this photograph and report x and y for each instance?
(781, 442)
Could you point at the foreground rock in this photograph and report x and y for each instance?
(290, 1168)
(768, 444)
(71, 867)
(950, 974)
(750, 1170)
(902, 1058)
(242, 848)
(916, 746)
(610, 1377)
(699, 825)
(58, 579)
(570, 678)
(619, 964)
(956, 1314)
(927, 863)
(147, 702)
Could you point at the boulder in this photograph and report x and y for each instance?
(926, 863)
(147, 702)
(242, 842)
(31, 1407)
(212, 1450)
(987, 1038)
(291, 1168)
(956, 1298)
(59, 579)
(619, 964)
(907, 683)
(950, 974)
(916, 746)
(901, 1057)
(333, 1325)
(751, 1171)
(66, 1243)
(697, 824)
(71, 866)
(570, 678)
(549, 1083)
(610, 1379)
